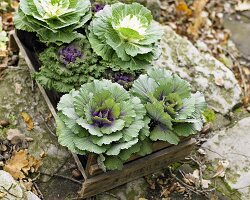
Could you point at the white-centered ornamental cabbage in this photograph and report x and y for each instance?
(54, 21)
(103, 118)
(126, 34)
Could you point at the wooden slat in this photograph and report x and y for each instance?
(45, 96)
(136, 169)
(159, 145)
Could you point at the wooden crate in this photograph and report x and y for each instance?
(95, 180)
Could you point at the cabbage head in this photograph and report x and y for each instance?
(103, 118)
(54, 21)
(174, 111)
(125, 34)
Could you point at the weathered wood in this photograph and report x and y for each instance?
(12, 43)
(94, 169)
(45, 96)
(136, 169)
(92, 161)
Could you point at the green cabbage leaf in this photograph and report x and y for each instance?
(126, 35)
(54, 21)
(174, 111)
(103, 118)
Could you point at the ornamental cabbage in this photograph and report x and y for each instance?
(126, 35)
(54, 21)
(174, 111)
(103, 118)
(69, 66)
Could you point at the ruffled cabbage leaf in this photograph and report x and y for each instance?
(126, 35)
(174, 111)
(103, 118)
(54, 21)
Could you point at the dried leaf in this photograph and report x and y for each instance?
(205, 183)
(183, 8)
(15, 136)
(221, 168)
(18, 88)
(28, 121)
(243, 6)
(195, 179)
(202, 151)
(22, 163)
(198, 19)
(2, 195)
(18, 161)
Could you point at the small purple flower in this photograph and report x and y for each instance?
(102, 118)
(97, 7)
(69, 54)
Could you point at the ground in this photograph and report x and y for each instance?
(218, 168)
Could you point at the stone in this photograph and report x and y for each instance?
(240, 32)
(233, 144)
(133, 190)
(203, 71)
(12, 190)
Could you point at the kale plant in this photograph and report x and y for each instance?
(174, 111)
(103, 118)
(54, 21)
(69, 66)
(126, 35)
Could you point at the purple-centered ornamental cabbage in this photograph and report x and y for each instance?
(103, 118)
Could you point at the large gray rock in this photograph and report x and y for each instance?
(11, 190)
(233, 145)
(203, 71)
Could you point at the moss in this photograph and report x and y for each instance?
(209, 115)
(132, 194)
(175, 166)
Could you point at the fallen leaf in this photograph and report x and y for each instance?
(221, 168)
(18, 161)
(15, 136)
(202, 151)
(2, 195)
(243, 6)
(18, 88)
(183, 8)
(28, 121)
(21, 163)
(198, 19)
(195, 179)
(205, 183)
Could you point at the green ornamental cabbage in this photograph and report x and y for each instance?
(103, 118)
(125, 34)
(69, 66)
(54, 21)
(174, 111)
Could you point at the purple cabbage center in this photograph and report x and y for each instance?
(69, 54)
(102, 118)
(97, 7)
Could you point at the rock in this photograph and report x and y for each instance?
(131, 191)
(233, 145)
(31, 196)
(203, 71)
(239, 32)
(12, 190)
